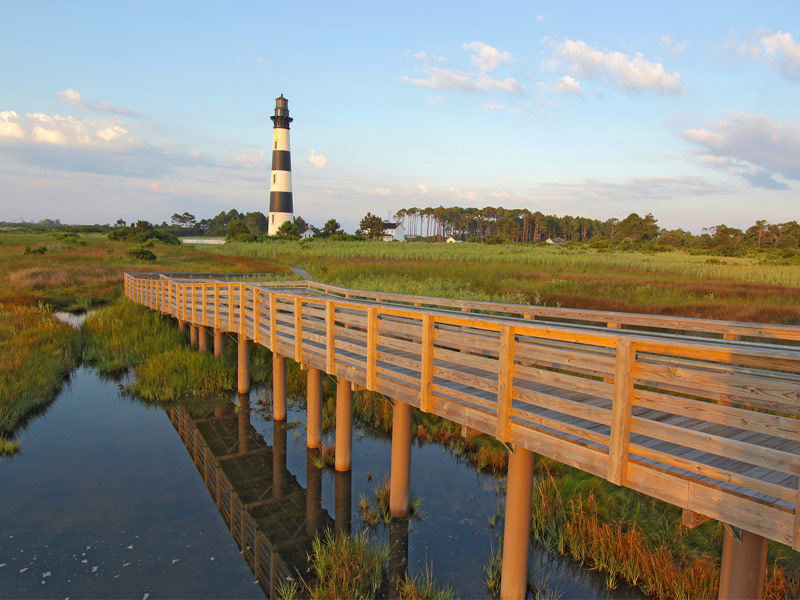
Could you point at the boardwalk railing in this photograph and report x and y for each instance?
(706, 424)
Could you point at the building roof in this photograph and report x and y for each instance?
(387, 225)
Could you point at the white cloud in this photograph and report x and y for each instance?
(251, 159)
(318, 160)
(628, 73)
(568, 85)
(9, 125)
(778, 49)
(675, 48)
(540, 18)
(70, 96)
(423, 189)
(754, 147)
(382, 191)
(63, 130)
(484, 57)
(490, 107)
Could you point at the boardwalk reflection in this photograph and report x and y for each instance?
(270, 516)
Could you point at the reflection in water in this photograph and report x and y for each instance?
(398, 553)
(270, 516)
(343, 498)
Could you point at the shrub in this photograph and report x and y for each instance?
(140, 253)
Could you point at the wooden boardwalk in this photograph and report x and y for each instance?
(699, 413)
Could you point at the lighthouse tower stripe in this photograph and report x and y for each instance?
(280, 184)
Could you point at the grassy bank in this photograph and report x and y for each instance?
(752, 288)
(36, 353)
(128, 336)
(345, 566)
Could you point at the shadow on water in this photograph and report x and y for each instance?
(106, 501)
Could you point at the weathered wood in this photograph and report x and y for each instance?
(667, 437)
(426, 374)
(621, 412)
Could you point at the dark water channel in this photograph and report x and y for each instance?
(110, 497)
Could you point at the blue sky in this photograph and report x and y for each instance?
(139, 110)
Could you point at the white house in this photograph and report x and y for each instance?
(307, 234)
(394, 232)
(452, 240)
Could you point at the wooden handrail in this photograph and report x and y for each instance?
(679, 418)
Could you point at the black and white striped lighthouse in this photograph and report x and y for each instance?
(280, 185)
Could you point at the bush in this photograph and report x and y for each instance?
(139, 253)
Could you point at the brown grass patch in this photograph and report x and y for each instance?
(45, 279)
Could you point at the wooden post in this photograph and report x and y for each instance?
(278, 387)
(219, 342)
(343, 499)
(314, 408)
(517, 532)
(202, 338)
(401, 459)
(181, 325)
(621, 413)
(744, 565)
(243, 370)
(344, 425)
(193, 336)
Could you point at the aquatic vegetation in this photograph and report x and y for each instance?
(8, 447)
(379, 512)
(36, 353)
(422, 587)
(287, 589)
(346, 567)
(324, 457)
(494, 568)
(129, 336)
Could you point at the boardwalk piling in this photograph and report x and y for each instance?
(744, 565)
(517, 533)
(202, 339)
(344, 425)
(243, 371)
(278, 387)
(181, 325)
(193, 335)
(401, 459)
(219, 342)
(314, 408)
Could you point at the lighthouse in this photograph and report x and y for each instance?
(280, 183)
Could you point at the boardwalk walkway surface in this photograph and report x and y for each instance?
(698, 413)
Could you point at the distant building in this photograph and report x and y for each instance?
(452, 240)
(394, 232)
(556, 241)
(307, 234)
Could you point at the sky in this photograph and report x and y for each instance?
(138, 110)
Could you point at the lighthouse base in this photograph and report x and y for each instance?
(276, 219)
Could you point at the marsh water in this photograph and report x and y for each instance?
(112, 497)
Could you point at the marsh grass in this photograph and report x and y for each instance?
(372, 514)
(346, 567)
(422, 586)
(8, 447)
(324, 458)
(37, 352)
(129, 336)
(752, 288)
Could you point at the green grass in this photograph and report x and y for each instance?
(8, 447)
(372, 514)
(129, 336)
(37, 353)
(422, 587)
(346, 567)
(751, 288)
